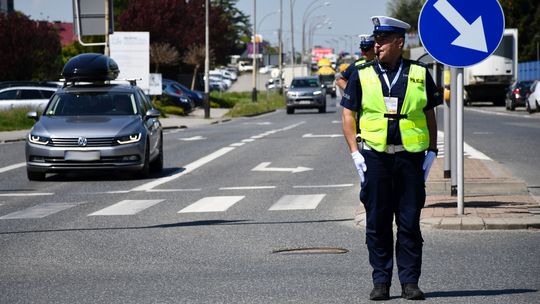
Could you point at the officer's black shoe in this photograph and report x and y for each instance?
(412, 292)
(380, 292)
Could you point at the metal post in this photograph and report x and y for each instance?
(207, 62)
(447, 146)
(291, 4)
(280, 59)
(107, 50)
(254, 84)
(453, 135)
(459, 146)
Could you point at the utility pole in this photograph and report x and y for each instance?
(254, 91)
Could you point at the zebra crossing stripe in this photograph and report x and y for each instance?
(38, 211)
(298, 202)
(127, 207)
(212, 204)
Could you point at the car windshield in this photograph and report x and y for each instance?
(304, 83)
(525, 84)
(92, 103)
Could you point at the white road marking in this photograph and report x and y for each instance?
(212, 204)
(39, 211)
(12, 167)
(248, 140)
(192, 138)
(265, 123)
(200, 162)
(309, 135)
(237, 144)
(27, 194)
(467, 150)
(187, 169)
(175, 190)
(336, 121)
(264, 167)
(248, 188)
(126, 207)
(325, 186)
(298, 202)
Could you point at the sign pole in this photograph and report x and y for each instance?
(459, 146)
(453, 132)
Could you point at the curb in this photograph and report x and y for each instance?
(478, 223)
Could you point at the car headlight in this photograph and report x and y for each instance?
(129, 139)
(40, 140)
(317, 93)
(290, 94)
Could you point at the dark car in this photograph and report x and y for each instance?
(173, 92)
(196, 96)
(517, 94)
(91, 124)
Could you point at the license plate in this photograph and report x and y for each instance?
(82, 155)
(305, 102)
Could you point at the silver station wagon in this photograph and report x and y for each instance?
(91, 124)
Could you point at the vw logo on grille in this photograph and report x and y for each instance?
(82, 141)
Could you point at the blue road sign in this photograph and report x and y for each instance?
(461, 33)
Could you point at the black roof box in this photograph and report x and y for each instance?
(90, 67)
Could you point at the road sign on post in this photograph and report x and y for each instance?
(460, 33)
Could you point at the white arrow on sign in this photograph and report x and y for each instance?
(309, 135)
(472, 36)
(264, 167)
(192, 138)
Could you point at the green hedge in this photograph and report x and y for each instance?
(15, 119)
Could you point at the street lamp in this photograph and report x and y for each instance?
(206, 100)
(308, 12)
(254, 91)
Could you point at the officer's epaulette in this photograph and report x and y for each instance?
(365, 65)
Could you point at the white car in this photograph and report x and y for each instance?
(34, 97)
(533, 101)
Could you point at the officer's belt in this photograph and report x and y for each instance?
(390, 149)
(395, 116)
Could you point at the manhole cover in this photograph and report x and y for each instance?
(311, 250)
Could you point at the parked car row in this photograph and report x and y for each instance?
(181, 95)
(222, 79)
(34, 95)
(524, 93)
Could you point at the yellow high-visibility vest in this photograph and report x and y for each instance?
(412, 121)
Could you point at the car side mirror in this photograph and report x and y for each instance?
(32, 115)
(153, 113)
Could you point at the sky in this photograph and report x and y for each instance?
(346, 18)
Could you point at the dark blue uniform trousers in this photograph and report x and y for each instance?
(394, 186)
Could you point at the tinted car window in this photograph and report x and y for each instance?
(30, 94)
(304, 83)
(102, 103)
(46, 94)
(10, 94)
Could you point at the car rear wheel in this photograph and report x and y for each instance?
(528, 106)
(35, 176)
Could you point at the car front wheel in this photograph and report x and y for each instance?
(157, 164)
(145, 170)
(528, 106)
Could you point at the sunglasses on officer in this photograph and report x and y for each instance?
(382, 37)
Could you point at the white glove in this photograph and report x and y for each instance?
(360, 164)
(428, 161)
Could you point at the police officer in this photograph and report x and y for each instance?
(396, 100)
(366, 49)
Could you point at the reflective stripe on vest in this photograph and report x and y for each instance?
(360, 61)
(373, 124)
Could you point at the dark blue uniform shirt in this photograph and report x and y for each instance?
(352, 97)
(349, 70)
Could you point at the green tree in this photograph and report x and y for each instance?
(525, 16)
(30, 49)
(406, 10)
(181, 23)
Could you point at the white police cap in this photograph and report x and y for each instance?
(366, 40)
(389, 25)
